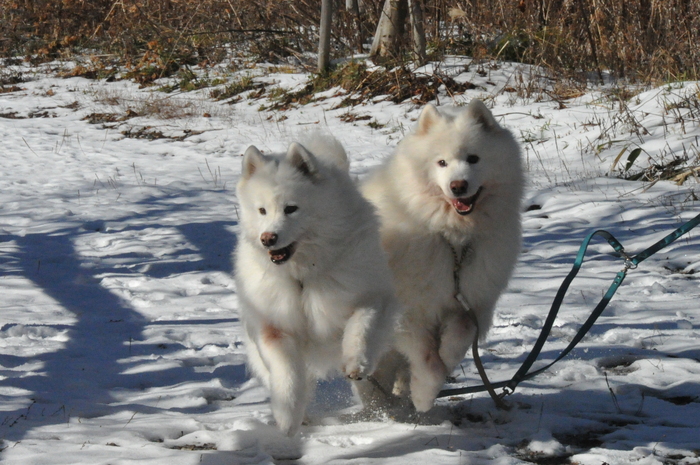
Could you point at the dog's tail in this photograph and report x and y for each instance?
(327, 149)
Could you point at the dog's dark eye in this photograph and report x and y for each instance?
(289, 209)
(472, 159)
(442, 163)
(262, 211)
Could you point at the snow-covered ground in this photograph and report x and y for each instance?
(119, 329)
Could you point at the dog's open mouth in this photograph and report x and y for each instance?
(465, 205)
(280, 256)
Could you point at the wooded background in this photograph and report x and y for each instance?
(645, 40)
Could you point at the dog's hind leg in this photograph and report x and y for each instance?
(375, 391)
(290, 384)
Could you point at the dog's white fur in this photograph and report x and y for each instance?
(419, 225)
(331, 304)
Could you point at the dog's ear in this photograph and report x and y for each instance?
(477, 111)
(302, 159)
(252, 160)
(427, 119)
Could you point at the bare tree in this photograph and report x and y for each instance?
(389, 29)
(324, 40)
(417, 29)
(387, 38)
(355, 7)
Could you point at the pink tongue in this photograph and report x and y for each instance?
(460, 205)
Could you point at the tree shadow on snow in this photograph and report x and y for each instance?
(80, 379)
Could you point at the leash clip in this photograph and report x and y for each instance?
(629, 261)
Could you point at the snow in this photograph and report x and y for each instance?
(119, 330)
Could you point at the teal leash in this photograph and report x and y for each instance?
(631, 263)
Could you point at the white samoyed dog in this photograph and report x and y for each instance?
(314, 286)
(449, 201)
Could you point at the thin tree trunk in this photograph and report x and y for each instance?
(591, 40)
(353, 6)
(417, 30)
(386, 38)
(324, 40)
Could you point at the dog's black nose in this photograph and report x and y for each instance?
(268, 239)
(459, 188)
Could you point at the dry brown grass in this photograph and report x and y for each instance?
(640, 39)
(119, 105)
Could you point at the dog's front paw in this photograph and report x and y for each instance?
(356, 375)
(287, 421)
(356, 368)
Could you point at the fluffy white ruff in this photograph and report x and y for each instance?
(455, 182)
(313, 282)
